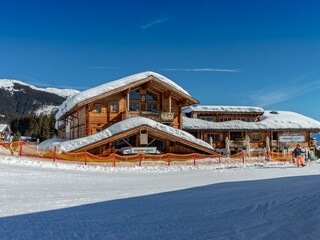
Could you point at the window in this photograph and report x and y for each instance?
(134, 107)
(256, 137)
(152, 107)
(210, 119)
(97, 108)
(152, 96)
(236, 136)
(215, 137)
(114, 107)
(246, 119)
(225, 119)
(134, 95)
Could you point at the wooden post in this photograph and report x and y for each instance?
(194, 159)
(54, 153)
(20, 148)
(128, 101)
(85, 158)
(140, 159)
(170, 103)
(242, 156)
(114, 160)
(169, 156)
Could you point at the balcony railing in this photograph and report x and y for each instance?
(164, 117)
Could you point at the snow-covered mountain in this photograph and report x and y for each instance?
(9, 85)
(19, 98)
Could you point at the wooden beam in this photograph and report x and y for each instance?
(146, 85)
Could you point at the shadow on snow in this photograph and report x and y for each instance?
(283, 208)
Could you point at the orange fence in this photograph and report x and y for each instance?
(25, 149)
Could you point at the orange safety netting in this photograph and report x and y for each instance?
(25, 149)
(283, 157)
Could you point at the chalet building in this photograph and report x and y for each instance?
(140, 111)
(253, 126)
(143, 112)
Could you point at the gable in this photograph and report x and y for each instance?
(157, 81)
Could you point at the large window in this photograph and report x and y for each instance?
(152, 103)
(151, 96)
(256, 137)
(134, 107)
(114, 107)
(134, 95)
(152, 107)
(236, 136)
(214, 136)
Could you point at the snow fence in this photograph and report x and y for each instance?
(28, 150)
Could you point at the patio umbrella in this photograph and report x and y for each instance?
(248, 144)
(210, 141)
(267, 144)
(227, 146)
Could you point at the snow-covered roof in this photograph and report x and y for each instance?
(70, 103)
(50, 143)
(279, 120)
(229, 109)
(126, 125)
(3, 127)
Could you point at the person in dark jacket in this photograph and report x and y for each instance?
(297, 154)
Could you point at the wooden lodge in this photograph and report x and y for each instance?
(241, 126)
(143, 112)
(146, 95)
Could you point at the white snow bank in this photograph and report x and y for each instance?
(226, 109)
(3, 127)
(126, 125)
(283, 120)
(50, 143)
(107, 87)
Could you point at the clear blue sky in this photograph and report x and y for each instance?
(261, 53)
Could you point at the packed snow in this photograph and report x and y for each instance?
(281, 120)
(126, 125)
(107, 87)
(8, 84)
(45, 200)
(3, 127)
(49, 143)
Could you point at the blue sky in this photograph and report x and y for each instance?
(261, 53)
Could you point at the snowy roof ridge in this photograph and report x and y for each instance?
(109, 86)
(213, 108)
(282, 120)
(126, 125)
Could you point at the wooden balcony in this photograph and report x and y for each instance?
(163, 117)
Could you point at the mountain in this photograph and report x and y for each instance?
(19, 98)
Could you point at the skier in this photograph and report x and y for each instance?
(297, 153)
